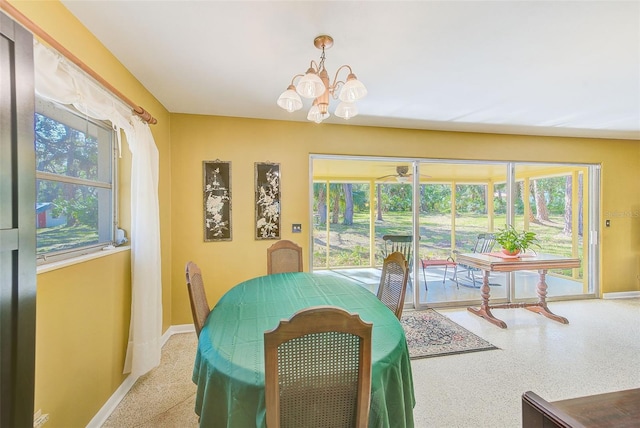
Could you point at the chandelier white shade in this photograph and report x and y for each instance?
(290, 100)
(346, 110)
(310, 86)
(315, 84)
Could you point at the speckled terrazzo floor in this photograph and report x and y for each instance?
(599, 351)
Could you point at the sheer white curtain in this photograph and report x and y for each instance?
(59, 80)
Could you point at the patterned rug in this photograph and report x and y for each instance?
(430, 334)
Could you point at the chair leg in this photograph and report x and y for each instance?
(455, 277)
(473, 278)
(424, 275)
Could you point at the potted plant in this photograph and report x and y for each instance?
(514, 242)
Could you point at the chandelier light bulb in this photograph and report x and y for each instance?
(310, 86)
(352, 90)
(314, 114)
(290, 100)
(346, 110)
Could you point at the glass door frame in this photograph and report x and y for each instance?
(592, 211)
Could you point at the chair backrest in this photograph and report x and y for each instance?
(318, 370)
(484, 243)
(197, 296)
(393, 282)
(400, 243)
(284, 256)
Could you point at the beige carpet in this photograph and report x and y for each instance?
(164, 397)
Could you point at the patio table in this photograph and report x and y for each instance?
(229, 364)
(497, 262)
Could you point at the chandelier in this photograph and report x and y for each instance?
(314, 84)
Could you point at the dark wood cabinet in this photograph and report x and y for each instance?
(620, 409)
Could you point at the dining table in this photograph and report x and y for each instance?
(229, 362)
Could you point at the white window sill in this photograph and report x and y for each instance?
(80, 259)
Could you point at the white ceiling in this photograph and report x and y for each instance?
(566, 68)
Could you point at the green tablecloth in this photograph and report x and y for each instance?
(229, 365)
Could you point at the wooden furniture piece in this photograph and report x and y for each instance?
(447, 263)
(401, 244)
(284, 256)
(318, 370)
(393, 283)
(398, 243)
(494, 263)
(229, 365)
(197, 297)
(484, 244)
(620, 409)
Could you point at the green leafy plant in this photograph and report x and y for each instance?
(514, 241)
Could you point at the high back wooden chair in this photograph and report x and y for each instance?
(197, 296)
(393, 282)
(318, 370)
(484, 244)
(402, 244)
(284, 256)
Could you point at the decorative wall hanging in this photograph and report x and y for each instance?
(267, 185)
(217, 200)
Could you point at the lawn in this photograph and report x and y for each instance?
(63, 238)
(349, 245)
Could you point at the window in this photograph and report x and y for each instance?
(75, 190)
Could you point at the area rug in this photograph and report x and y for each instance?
(431, 334)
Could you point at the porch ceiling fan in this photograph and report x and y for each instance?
(402, 175)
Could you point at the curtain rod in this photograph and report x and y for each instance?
(35, 29)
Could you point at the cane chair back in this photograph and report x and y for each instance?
(197, 297)
(284, 256)
(393, 282)
(318, 370)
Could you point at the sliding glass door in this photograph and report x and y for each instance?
(445, 208)
(553, 201)
(460, 202)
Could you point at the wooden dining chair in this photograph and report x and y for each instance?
(393, 282)
(197, 296)
(402, 244)
(284, 256)
(484, 244)
(318, 370)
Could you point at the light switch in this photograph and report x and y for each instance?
(296, 228)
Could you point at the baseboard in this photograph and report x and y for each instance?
(103, 414)
(176, 329)
(621, 295)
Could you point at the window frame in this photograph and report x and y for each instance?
(70, 116)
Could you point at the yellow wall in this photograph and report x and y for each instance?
(245, 141)
(82, 328)
(83, 310)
